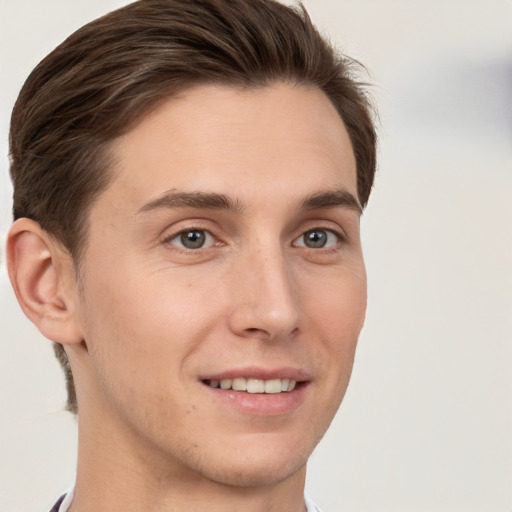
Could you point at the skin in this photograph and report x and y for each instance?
(147, 319)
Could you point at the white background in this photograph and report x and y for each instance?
(427, 422)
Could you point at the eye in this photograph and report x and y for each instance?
(318, 239)
(192, 239)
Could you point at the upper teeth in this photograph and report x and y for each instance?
(254, 385)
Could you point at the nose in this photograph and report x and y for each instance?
(265, 299)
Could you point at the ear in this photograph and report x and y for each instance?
(43, 278)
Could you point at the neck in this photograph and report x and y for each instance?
(114, 473)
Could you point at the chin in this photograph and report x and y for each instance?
(250, 474)
(257, 463)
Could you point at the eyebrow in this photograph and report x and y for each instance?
(215, 201)
(331, 199)
(200, 200)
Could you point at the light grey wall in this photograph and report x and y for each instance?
(427, 422)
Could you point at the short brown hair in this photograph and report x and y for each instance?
(110, 73)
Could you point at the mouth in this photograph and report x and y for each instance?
(262, 391)
(253, 386)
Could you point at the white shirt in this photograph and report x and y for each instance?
(311, 506)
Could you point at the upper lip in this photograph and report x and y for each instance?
(258, 372)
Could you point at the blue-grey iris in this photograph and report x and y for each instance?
(315, 239)
(193, 239)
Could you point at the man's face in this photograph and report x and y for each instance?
(226, 249)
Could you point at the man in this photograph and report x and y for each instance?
(188, 182)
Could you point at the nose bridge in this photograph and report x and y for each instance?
(266, 302)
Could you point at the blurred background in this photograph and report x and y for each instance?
(426, 424)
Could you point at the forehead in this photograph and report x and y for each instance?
(246, 142)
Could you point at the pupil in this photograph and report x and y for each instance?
(193, 239)
(315, 239)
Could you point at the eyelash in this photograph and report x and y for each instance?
(168, 240)
(341, 238)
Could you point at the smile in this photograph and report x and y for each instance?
(272, 386)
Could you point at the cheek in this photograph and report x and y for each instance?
(142, 337)
(340, 305)
(142, 327)
(339, 314)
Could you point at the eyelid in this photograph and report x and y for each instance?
(172, 232)
(209, 241)
(340, 238)
(326, 224)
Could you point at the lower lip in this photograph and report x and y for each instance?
(261, 404)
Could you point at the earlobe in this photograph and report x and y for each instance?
(40, 274)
